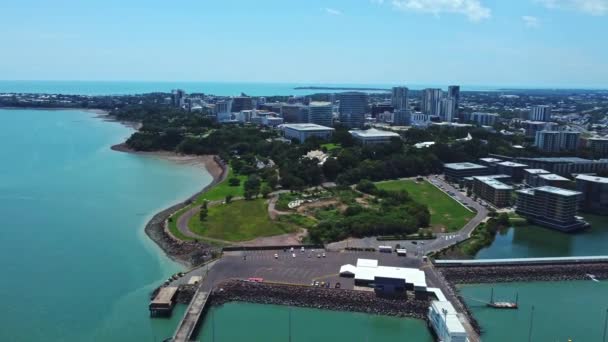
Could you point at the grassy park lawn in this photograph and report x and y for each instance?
(240, 221)
(445, 212)
(220, 191)
(330, 147)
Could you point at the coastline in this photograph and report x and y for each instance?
(187, 253)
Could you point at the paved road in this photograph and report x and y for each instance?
(419, 248)
(445, 240)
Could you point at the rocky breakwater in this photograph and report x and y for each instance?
(521, 273)
(317, 298)
(190, 253)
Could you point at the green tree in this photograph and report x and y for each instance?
(265, 190)
(228, 199)
(234, 181)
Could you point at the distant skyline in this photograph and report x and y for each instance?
(518, 43)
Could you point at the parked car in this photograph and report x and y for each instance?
(338, 285)
(276, 256)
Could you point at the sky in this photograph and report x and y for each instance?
(559, 43)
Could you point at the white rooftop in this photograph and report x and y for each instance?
(367, 263)
(553, 177)
(464, 166)
(594, 179)
(450, 315)
(320, 104)
(558, 191)
(493, 183)
(373, 133)
(512, 164)
(490, 160)
(537, 171)
(307, 127)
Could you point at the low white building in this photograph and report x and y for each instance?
(385, 279)
(301, 132)
(373, 136)
(444, 319)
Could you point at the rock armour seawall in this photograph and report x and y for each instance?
(501, 274)
(318, 298)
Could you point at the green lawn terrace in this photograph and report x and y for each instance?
(447, 215)
(242, 220)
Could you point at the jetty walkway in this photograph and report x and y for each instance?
(187, 326)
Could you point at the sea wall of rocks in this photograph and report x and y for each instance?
(520, 273)
(317, 298)
(190, 253)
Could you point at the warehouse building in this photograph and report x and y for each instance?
(443, 318)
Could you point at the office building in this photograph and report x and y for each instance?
(431, 101)
(399, 98)
(550, 207)
(492, 190)
(531, 176)
(548, 141)
(178, 97)
(512, 169)
(373, 136)
(353, 106)
(551, 179)
(321, 113)
(566, 166)
(540, 113)
(222, 110)
(599, 146)
(294, 113)
(569, 141)
(448, 109)
(454, 93)
(482, 119)
(402, 117)
(419, 119)
(240, 103)
(594, 194)
(301, 132)
(531, 127)
(491, 163)
(456, 172)
(378, 109)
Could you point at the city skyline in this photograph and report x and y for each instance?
(525, 43)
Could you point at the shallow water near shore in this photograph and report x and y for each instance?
(76, 263)
(257, 322)
(562, 310)
(533, 241)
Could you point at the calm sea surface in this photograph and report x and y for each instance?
(562, 310)
(270, 323)
(534, 241)
(76, 264)
(213, 88)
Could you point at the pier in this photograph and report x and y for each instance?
(187, 326)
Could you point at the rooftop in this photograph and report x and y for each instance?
(307, 127)
(373, 133)
(165, 295)
(553, 177)
(493, 182)
(320, 104)
(464, 166)
(558, 191)
(537, 171)
(594, 179)
(490, 160)
(450, 316)
(512, 164)
(561, 159)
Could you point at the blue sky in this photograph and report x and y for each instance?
(558, 43)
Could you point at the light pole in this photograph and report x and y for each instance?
(531, 323)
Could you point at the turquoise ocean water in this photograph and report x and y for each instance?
(76, 264)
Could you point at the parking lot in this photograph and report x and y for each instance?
(303, 269)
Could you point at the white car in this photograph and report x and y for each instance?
(324, 255)
(293, 255)
(276, 256)
(302, 249)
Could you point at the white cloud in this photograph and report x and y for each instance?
(530, 21)
(593, 7)
(332, 11)
(472, 9)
